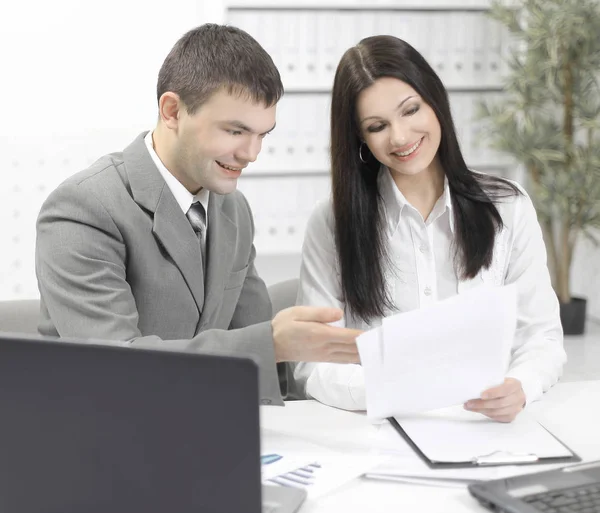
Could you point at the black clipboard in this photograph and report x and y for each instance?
(495, 459)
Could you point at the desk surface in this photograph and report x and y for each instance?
(569, 410)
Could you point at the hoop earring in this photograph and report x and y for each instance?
(360, 156)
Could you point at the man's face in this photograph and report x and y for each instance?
(219, 140)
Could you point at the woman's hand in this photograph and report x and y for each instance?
(502, 403)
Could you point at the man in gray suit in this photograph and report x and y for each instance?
(154, 245)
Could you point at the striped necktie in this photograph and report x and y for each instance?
(197, 217)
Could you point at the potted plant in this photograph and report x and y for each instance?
(548, 120)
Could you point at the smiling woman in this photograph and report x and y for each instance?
(410, 224)
(399, 133)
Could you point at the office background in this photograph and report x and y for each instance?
(79, 81)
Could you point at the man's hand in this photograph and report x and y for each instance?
(300, 334)
(502, 403)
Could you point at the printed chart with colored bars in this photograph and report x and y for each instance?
(317, 473)
(301, 477)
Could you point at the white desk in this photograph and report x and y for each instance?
(570, 410)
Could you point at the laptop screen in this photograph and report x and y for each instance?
(97, 428)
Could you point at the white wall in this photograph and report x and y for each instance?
(585, 275)
(78, 80)
(88, 67)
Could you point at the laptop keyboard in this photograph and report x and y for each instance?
(584, 499)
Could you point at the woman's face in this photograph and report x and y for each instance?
(401, 130)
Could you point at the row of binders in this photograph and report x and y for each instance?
(301, 140)
(466, 48)
(280, 223)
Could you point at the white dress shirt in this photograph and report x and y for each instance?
(184, 198)
(423, 273)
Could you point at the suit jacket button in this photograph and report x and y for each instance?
(265, 401)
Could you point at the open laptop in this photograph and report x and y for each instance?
(575, 488)
(92, 428)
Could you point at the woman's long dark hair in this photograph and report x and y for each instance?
(357, 204)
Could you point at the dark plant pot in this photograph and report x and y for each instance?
(572, 316)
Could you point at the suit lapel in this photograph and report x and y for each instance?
(220, 247)
(171, 228)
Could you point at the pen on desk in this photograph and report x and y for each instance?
(447, 482)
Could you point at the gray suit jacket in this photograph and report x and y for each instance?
(116, 259)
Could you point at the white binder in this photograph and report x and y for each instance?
(478, 39)
(327, 57)
(494, 52)
(439, 60)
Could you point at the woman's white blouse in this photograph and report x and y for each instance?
(423, 273)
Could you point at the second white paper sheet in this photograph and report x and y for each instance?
(441, 355)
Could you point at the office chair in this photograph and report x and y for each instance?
(19, 316)
(283, 295)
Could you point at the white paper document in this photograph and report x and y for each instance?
(441, 355)
(318, 470)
